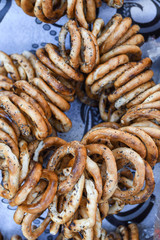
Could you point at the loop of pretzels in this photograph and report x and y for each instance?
(51, 11)
(95, 182)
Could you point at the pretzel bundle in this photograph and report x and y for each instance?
(82, 182)
(51, 11)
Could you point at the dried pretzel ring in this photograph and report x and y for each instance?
(71, 204)
(135, 70)
(105, 68)
(46, 144)
(9, 66)
(27, 230)
(79, 152)
(135, 82)
(89, 51)
(111, 169)
(35, 94)
(15, 115)
(92, 195)
(25, 64)
(115, 135)
(139, 177)
(115, 3)
(132, 51)
(11, 163)
(145, 193)
(115, 35)
(133, 231)
(30, 182)
(60, 62)
(72, 59)
(152, 151)
(47, 196)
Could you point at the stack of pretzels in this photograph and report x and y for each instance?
(51, 11)
(82, 183)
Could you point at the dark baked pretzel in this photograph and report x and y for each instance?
(79, 152)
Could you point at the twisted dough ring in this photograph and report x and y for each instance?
(79, 152)
(116, 135)
(111, 169)
(11, 163)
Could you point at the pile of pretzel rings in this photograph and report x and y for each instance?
(75, 185)
(84, 12)
(121, 232)
(82, 182)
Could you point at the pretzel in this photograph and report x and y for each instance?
(60, 121)
(43, 57)
(115, 35)
(125, 99)
(32, 196)
(137, 39)
(9, 66)
(30, 182)
(38, 122)
(25, 64)
(144, 194)
(98, 225)
(27, 230)
(79, 152)
(5, 84)
(148, 113)
(97, 27)
(135, 70)
(105, 68)
(72, 202)
(92, 195)
(109, 28)
(24, 159)
(109, 79)
(79, 14)
(141, 97)
(72, 59)
(116, 135)
(11, 163)
(145, 124)
(94, 170)
(48, 76)
(5, 127)
(15, 115)
(138, 162)
(111, 169)
(52, 96)
(131, 32)
(47, 197)
(133, 51)
(89, 51)
(70, 8)
(152, 151)
(133, 231)
(3, 71)
(138, 80)
(115, 3)
(59, 62)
